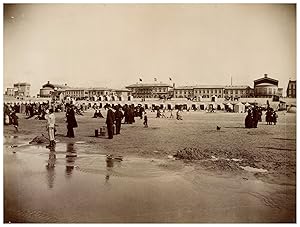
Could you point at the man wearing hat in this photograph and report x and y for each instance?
(110, 118)
(118, 117)
(50, 127)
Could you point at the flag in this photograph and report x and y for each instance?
(155, 79)
(141, 79)
(170, 78)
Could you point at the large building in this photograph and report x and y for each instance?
(95, 93)
(238, 91)
(208, 91)
(10, 91)
(48, 89)
(122, 92)
(266, 87)
(150, 90)
(291, 89)
(183, 92)
(22, 90)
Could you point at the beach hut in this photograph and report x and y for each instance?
(130, 97)
(220, 106)
(100, 98)
(282, 105)
(202, 106)
(169, 106)
(239, 108)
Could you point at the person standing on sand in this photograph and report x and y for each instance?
(145, 120)
(110, 118)
(249, 120)
(118, 117)
(255, 117)
(50, 127)
(171, 115)
(14, 120)
(71, 121)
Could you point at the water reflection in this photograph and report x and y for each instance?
(71, 155)
(51, 167)
(109, 167)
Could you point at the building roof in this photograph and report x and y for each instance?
(266, 79)
(22, 84)
(99, 88)
(237, 87)
(265, 84)
(183, 87)
(48, 84)
(208, 86)
(137, 85)
(88, 89)
(122, 89)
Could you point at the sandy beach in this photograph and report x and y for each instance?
(241, 175)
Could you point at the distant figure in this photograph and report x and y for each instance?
(118, 117)
(141, 110)
(158, 113)
(218, 128)
(98, 113)
(145, 120)
(50, 127)
(110, 118)
(255, 115)
(259, 115)
(171, 115)
(71, 121)
(178, 115)
(249, 120)
(269, 116)
(14, 120)
(163, 114)
(274, 117)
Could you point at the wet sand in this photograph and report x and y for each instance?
(80, 186)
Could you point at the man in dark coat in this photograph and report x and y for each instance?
(110, 118)
(118, 117)
(125, 109)
(249, 120)
(255, 117)
(71, 121)
(130, 115)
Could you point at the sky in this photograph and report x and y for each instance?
(113, 45)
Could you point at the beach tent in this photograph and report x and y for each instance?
(292, 109)
(228, 106)
(162, 106)
(239, 108)
(114, 98)
(220, 106)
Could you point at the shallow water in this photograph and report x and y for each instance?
(73, 183)
(252, 169)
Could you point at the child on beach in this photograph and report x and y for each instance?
(145, 120)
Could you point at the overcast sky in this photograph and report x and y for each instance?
(114, 45)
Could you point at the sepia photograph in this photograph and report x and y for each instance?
(149, 113)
